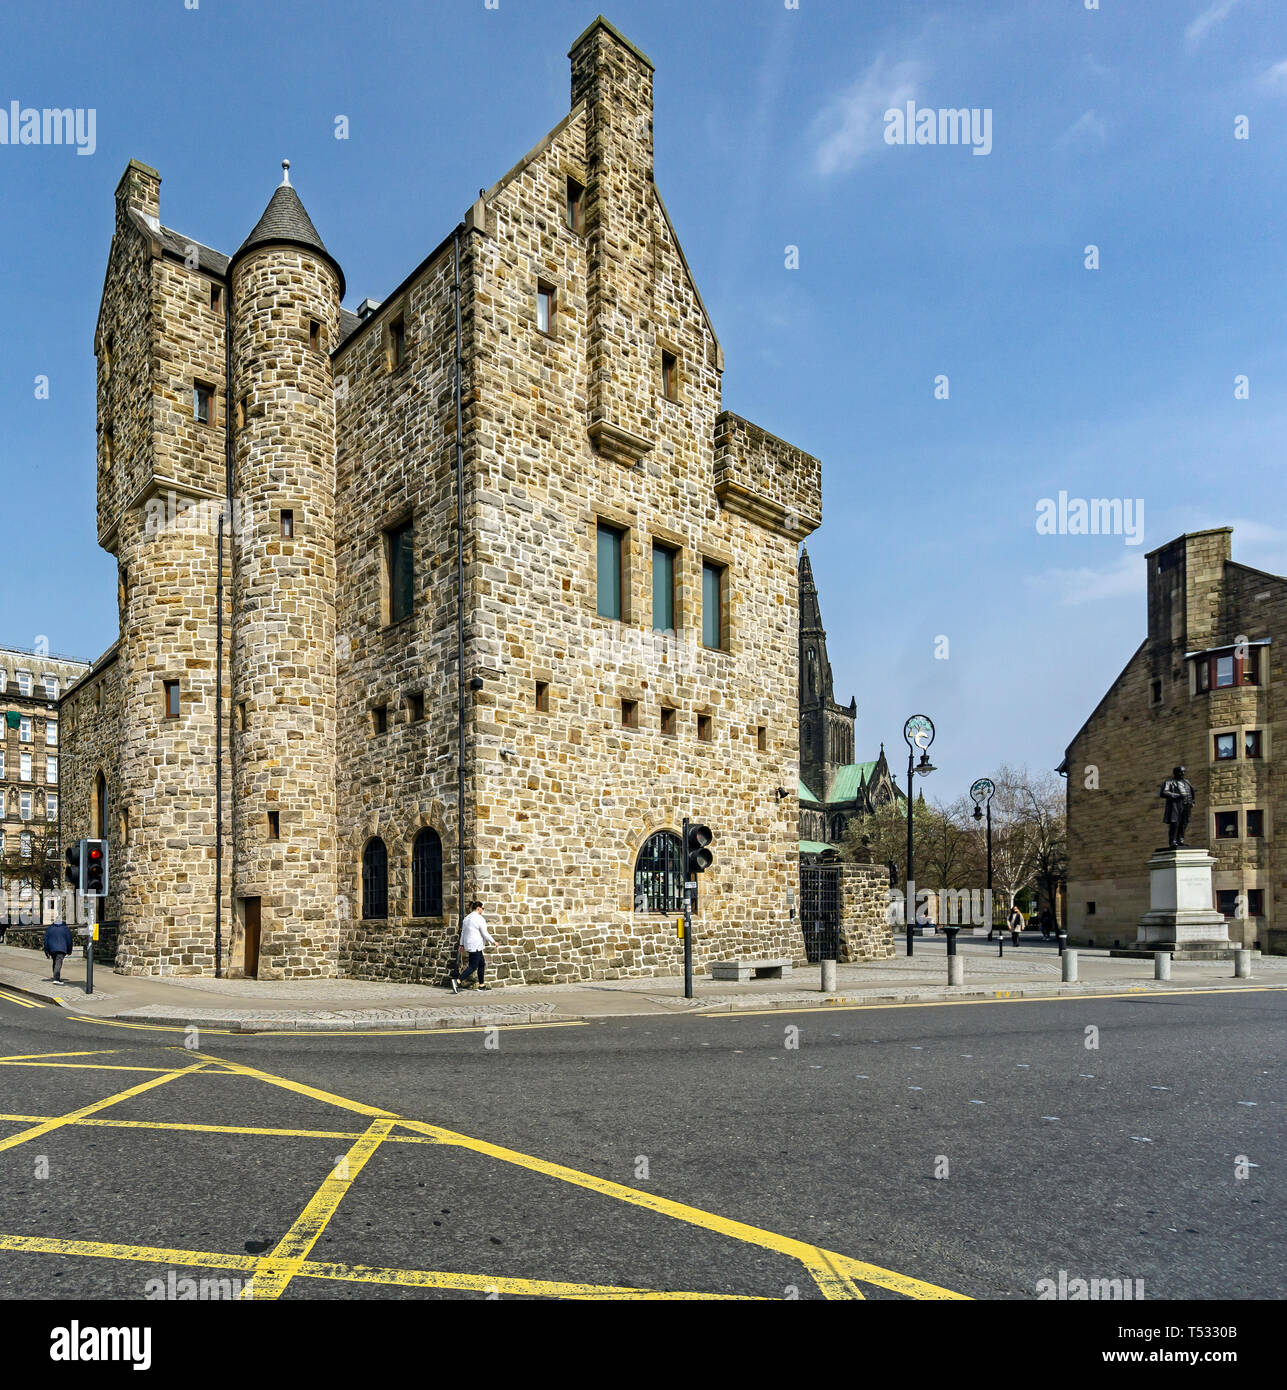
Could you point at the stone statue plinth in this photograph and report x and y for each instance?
(1182, 915)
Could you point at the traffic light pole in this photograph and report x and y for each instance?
(92, 904)
(688, 921)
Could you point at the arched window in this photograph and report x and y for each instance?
(426, 874)
(659, 874)
(375, 880)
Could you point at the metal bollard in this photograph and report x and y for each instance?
(828, 977)
(1070, 967)
(956, 970)
(1161, 965)
(1242, 965)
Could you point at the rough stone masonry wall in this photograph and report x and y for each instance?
(283, 666)
(865, 932)
(1129, 745)
(566, 797)
(396, 462)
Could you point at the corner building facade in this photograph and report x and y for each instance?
(627, 605)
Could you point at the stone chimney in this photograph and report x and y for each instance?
(614, 79)
(139, 191)
(1184, 583)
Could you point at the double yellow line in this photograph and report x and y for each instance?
(18, 999)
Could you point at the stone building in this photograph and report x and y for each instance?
(1203, 690)
(833, 789)
(331, 708)
(31, 685)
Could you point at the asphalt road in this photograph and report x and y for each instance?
(614, 1155)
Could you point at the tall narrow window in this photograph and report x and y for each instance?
(426, 874)
(663, 588)
(274, 825)
(610, 557)
(543, 696)
(576, 206)
(399, 566)
(395, 342)
(1255, 825)
(288, 525)
(216, 298)
(375, 880)
(314, 335)
(202, 397)
(171, 705)
(1251, 747)
(109, 446)
(712, 605)
(669, 375)
(544, 307)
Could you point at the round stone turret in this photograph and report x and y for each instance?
(286, 290)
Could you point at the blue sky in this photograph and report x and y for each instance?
(1112, 127)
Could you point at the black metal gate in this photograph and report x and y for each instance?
(820, 910)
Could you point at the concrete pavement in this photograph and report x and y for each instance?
(1029, 971)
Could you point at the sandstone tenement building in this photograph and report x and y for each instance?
(31, 685)
(278, 729)
(1202, 690)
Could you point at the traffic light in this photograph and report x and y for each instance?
(73, 865)
(696, 856)
(94, 876)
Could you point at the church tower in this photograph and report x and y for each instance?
(826, 728)
(286, 291)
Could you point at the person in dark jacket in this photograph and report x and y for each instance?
(58, 943)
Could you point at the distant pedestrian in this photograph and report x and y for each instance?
(58, 943)
(1015, 924)
(473, 937)
(1047, 924)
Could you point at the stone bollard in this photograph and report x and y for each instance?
(1161, 965)
(1242, 965)
(956, 970)
(1070, 966)
(828, 977)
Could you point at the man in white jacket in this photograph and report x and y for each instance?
(473, 937)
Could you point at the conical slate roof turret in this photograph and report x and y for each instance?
(286, 223)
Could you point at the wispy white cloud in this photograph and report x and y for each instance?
(1088, 584)
(1087, 127)
(1202, 25)
(851, 125)
(1275, 77)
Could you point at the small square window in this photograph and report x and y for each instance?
(171, 699)
(1226, 747)
(576, 206)
(669, 375)
(380, 719)
(202, 402)
(314, 335)
(1252, 744)
(274, 825)
(544, 306)
(1227, 901)
(1255, 902)
(1226, 825)
(395, 343)
(762, 739)
(416, 707)
(630, 714)
(288, 524)
(543, 696)
(216, 298)
(704, 734)
(669, 721)
(1255, 825)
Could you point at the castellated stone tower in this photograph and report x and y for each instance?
(286, 293)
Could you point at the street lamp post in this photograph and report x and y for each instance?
(981, 792)
(919, 733)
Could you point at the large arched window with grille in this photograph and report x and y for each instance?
(375, 880)
(659, 874)
(426, 874)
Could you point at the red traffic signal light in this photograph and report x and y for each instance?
(95, 868)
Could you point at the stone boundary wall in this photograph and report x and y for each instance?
(864, 929)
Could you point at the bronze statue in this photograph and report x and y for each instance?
(1177, 792)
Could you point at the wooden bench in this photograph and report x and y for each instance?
(750, 969)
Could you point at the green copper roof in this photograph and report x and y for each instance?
(807, 795)
(816, 847)
(849, 781)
